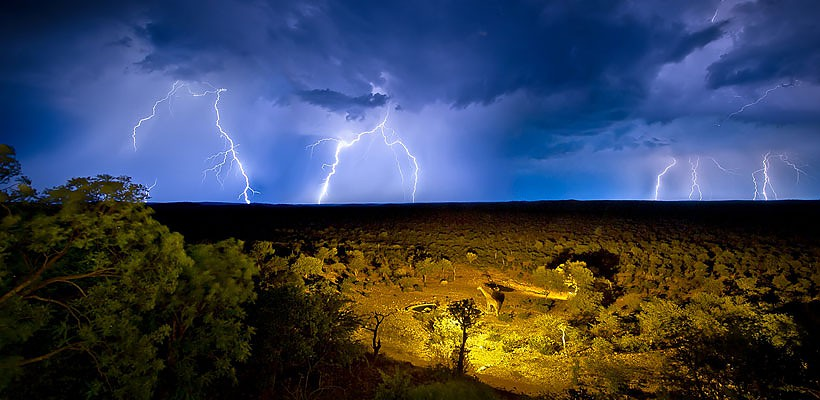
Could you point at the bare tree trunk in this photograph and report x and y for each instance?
(461, 352)
(377, 341)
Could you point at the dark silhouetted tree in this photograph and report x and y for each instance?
(466, 314)
(377, 318)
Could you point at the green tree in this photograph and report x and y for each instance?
(327, 254)
(104, 300)
(424, 268)
(551, 280)
(724, 347)
(585, 305)
(82, 267)
(357, 263)
(556, 335)
(471, 257)
(466, 315)
(13, 185)
(273, 270)
(298, 335)
(444, 337)
(206, 316)
(307, 265)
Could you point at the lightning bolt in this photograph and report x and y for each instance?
(766, 181)
(794, 166)
(731, 171)
(665, 170)
(341, 145)
(761, 98)
(695, 185)
(167, 97)
(228, 157)
(150, 188)
(716, 11)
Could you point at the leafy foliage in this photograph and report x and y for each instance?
(299, 334)
(105, 300)
(206, 317)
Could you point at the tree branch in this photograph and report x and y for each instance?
(106, 272)
(47, 355)
(74, 313)
(47, 263)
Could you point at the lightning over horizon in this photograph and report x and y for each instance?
(766, 182)
(665, 170)
(762, 178)
(695, 185)
(229, 156)
(763, 171)
(391, 141)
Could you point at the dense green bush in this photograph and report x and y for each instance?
(104, 301)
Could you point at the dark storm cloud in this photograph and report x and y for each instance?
(560, 149)
(339, 102)
(587, 63)
(459, 52)
(474, 52)
(775, 40)
(188, 45)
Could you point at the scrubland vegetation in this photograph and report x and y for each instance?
(100, 297)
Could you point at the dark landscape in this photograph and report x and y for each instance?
(681, 252)
(106, 296)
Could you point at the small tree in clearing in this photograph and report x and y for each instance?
(466, 315)
(377, 318)
(471, 257)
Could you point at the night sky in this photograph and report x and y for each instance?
(494, 100)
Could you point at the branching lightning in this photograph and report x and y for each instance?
(390, 140)
(761, 98)
(760, 191)
(695, 185)
(761, 177)
(227, 157)
(766, 181)
(794, 166)
(665, 170)
(167, 97)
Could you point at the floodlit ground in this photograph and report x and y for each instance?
(674, 299)
(497, 354)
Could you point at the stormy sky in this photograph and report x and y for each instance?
(492, 100)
